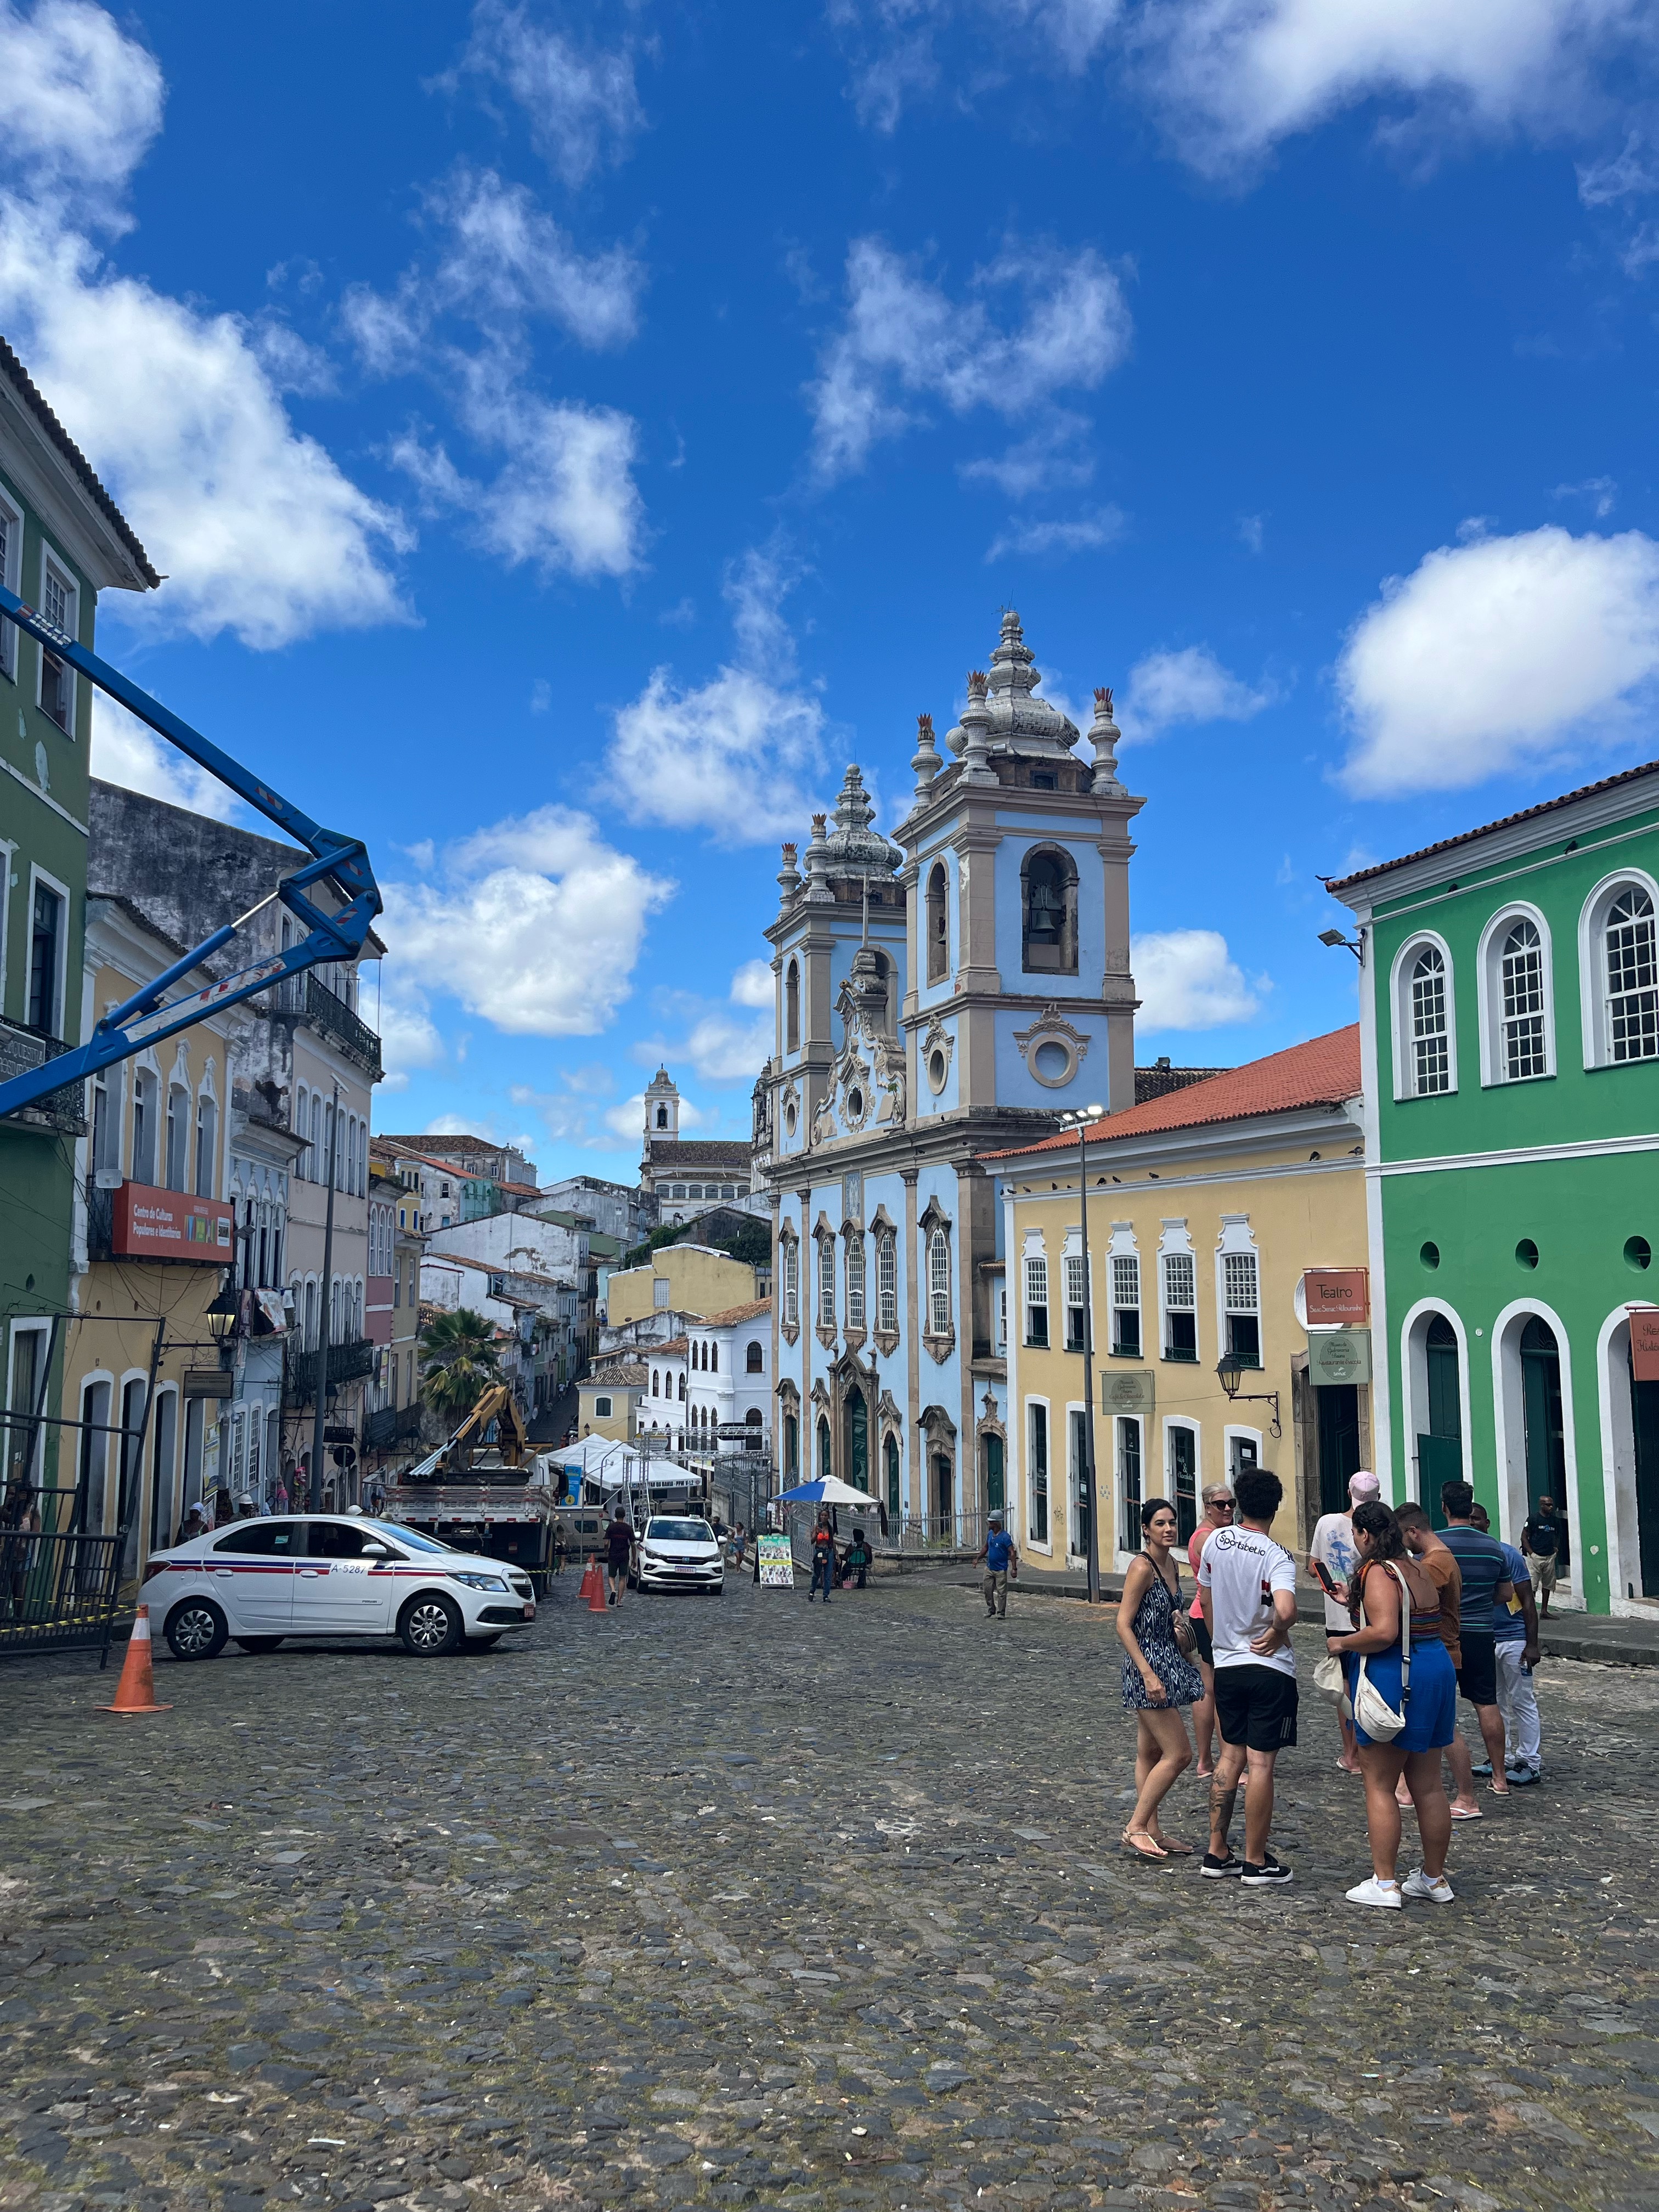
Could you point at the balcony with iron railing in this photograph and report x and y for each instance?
(309, 1000)
(347, 1363)
(22, 1049)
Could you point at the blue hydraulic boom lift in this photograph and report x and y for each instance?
(149, 1015)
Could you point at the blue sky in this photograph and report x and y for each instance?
(574, 433)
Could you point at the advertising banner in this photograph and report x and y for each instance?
(147, 1223)
(777, 1565)
(1337, 1296)
(1127, 1390)
(1339, 1355)
(1644, 1343)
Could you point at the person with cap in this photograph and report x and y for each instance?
(246, 1508)
(1332, 1548)
(195, 1523)
(1000, 1558)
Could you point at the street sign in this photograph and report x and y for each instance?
(1339, 1355)
(1337, 1296)
(1127, 1390)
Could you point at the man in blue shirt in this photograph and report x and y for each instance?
(1515, 1639)
(1000, 1559)
(1487, 1585)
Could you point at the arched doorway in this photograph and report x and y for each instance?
(891, 1457)
(1440, 1447)
(995, 1480)
(824, 1469)
(1544, 1427)
(856, 1436)
(792, 1447)
(1644, 1438)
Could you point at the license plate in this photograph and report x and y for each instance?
(530, 1612)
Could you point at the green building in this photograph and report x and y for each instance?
(62, 540)
(1509, 1033)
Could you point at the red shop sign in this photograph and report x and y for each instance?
(1644, 1343)
(1337, 1294)
(147, 1224)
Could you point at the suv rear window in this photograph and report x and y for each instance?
(265, 1539)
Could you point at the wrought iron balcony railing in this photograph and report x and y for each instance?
(347, 1363)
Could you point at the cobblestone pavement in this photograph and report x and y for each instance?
(739, 1903)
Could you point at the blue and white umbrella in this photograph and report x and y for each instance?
(829, 1492)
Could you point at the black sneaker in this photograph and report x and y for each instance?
(1215, 1869)
(1262, 1876)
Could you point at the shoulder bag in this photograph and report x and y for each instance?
(1371, 1709)
(1181, 1626)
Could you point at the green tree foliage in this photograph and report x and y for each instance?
(458, 1353)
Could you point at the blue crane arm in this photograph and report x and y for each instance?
(149, 1015)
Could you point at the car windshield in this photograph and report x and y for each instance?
(660, 1531)
(412, 1537)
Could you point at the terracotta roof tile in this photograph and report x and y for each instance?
(1339, 884)
(1323, 1072)
(752, 1311)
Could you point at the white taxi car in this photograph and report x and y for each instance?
(678, 1551)
(261, 1581)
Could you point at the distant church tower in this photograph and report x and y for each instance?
(662, 1111)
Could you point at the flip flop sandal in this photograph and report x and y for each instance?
(1136, 1851)
(1173, 1851)
(1464, 1813)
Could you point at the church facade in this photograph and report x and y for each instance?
(683, 1176)
(939, 997)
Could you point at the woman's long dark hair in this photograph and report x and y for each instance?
(1376, 1521)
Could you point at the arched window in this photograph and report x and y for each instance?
(1633, 977)
(714, 1358)
(938, 927)
(1428, 1032)
(681, 1390)
(791, 1282)
(792, 1007)
(662, 1117)
(856, 1281)
(754, 1362)
(178, 1144)
(655, 1390)
(939, 1284)
(826, 1283)
(1048, 911)
(1521, 1001)
(886, 1280)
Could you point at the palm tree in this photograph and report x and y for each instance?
(461, 1361)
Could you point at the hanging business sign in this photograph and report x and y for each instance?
(1337, 1296)
(1127, 1390)
(777, 1563)
(1644, 1343)
(147, 1223)
(1339, 1355)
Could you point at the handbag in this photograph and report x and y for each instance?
(1371, 1709)
(1329, 1679)
(1181, 1624)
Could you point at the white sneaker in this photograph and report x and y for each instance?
(1373, 1891)
(1434, 1886)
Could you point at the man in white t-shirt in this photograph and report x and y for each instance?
(1247, 1585)
(1332, 1548)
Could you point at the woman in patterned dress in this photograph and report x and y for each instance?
(1158, 1679)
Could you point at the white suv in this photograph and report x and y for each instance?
(260, 1581)
(677, 1552)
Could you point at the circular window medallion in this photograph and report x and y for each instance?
(789, 1119)
(1052, 1063)
(855, 1103)
(1525, 1253)
(937, 1069)
(1638, 1254)
(1429, 1256)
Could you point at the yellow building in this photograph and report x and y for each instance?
(684, 1278)
(608, 1402)
(1207, 1207)
(153, 1238)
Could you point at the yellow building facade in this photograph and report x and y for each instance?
(1206, 1209)
(154, 1237)
(687, 1278)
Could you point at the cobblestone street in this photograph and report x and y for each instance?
(744, 1903)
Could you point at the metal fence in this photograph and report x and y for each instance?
(58, 1583)
(915, 1534)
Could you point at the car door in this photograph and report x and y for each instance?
(339, 1590)
(250, 1572)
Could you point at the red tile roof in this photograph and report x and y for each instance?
(1323, 1072)
(752, 1311)
(1338, 884)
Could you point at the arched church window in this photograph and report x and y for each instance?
(791, 1008)
(1049, 899)
(938, 927)
(662, 1117)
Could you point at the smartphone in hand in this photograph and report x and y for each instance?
(1322, 1576)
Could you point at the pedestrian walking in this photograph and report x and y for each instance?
(1394, 1605)
(561, 1543)
(823, 1556)
(1486, 1583)
(1514, 1650)
(1158, 1678)
(1247, 1580)
(1218, 1514)
(1542, 1540)
(1332, 1548)
(739, 1544)
(618, 1550)
(1000, 1559)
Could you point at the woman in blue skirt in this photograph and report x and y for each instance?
(1385, 1578)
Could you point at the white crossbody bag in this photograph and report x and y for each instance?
(1371, 1709)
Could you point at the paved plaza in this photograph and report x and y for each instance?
(744, 1903)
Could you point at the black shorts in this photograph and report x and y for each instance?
(1203, 1649)
(1255, 1706)
(1477, 1678)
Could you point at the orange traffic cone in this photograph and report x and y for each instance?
(135, 1690)
(588, 1573)
(596, 1598)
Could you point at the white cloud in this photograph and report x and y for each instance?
(257, 528)
(1236, 76)
(1498, 655)
(733, 755)
(124, 752)
(80, 102)
(584, 107)
(1251, 531)
(721, 1050)
(1104, 527)
(905, 341)
(1050, 459)
(409, 1039)
(1188, 686)
(752, 984)
(1625, 175)
(1187, 980)
(535, 923)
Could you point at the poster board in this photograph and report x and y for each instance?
(777, 1564)
(1644, 1343)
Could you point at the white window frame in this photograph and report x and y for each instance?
(1400, 1000)
(939, 1294)
(1034, 1274)
(11, 570)
(826, 1285)
(1046, 1543)
(1076, 1413)
(38, 875)
(791, 1282)
(1195, 1430)
(1122, 1252)
(856, 1273)
(1176, 1243)
(1073, 1279)
(1125, 1521)
(1489, 989)
(887, 1281)
(53, 563)
(1592, 962)
(1236, 1241)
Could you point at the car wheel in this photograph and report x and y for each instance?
(195, 1630)
(259, 1644)
(430, 1626)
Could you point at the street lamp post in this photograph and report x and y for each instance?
(1079, 1118)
